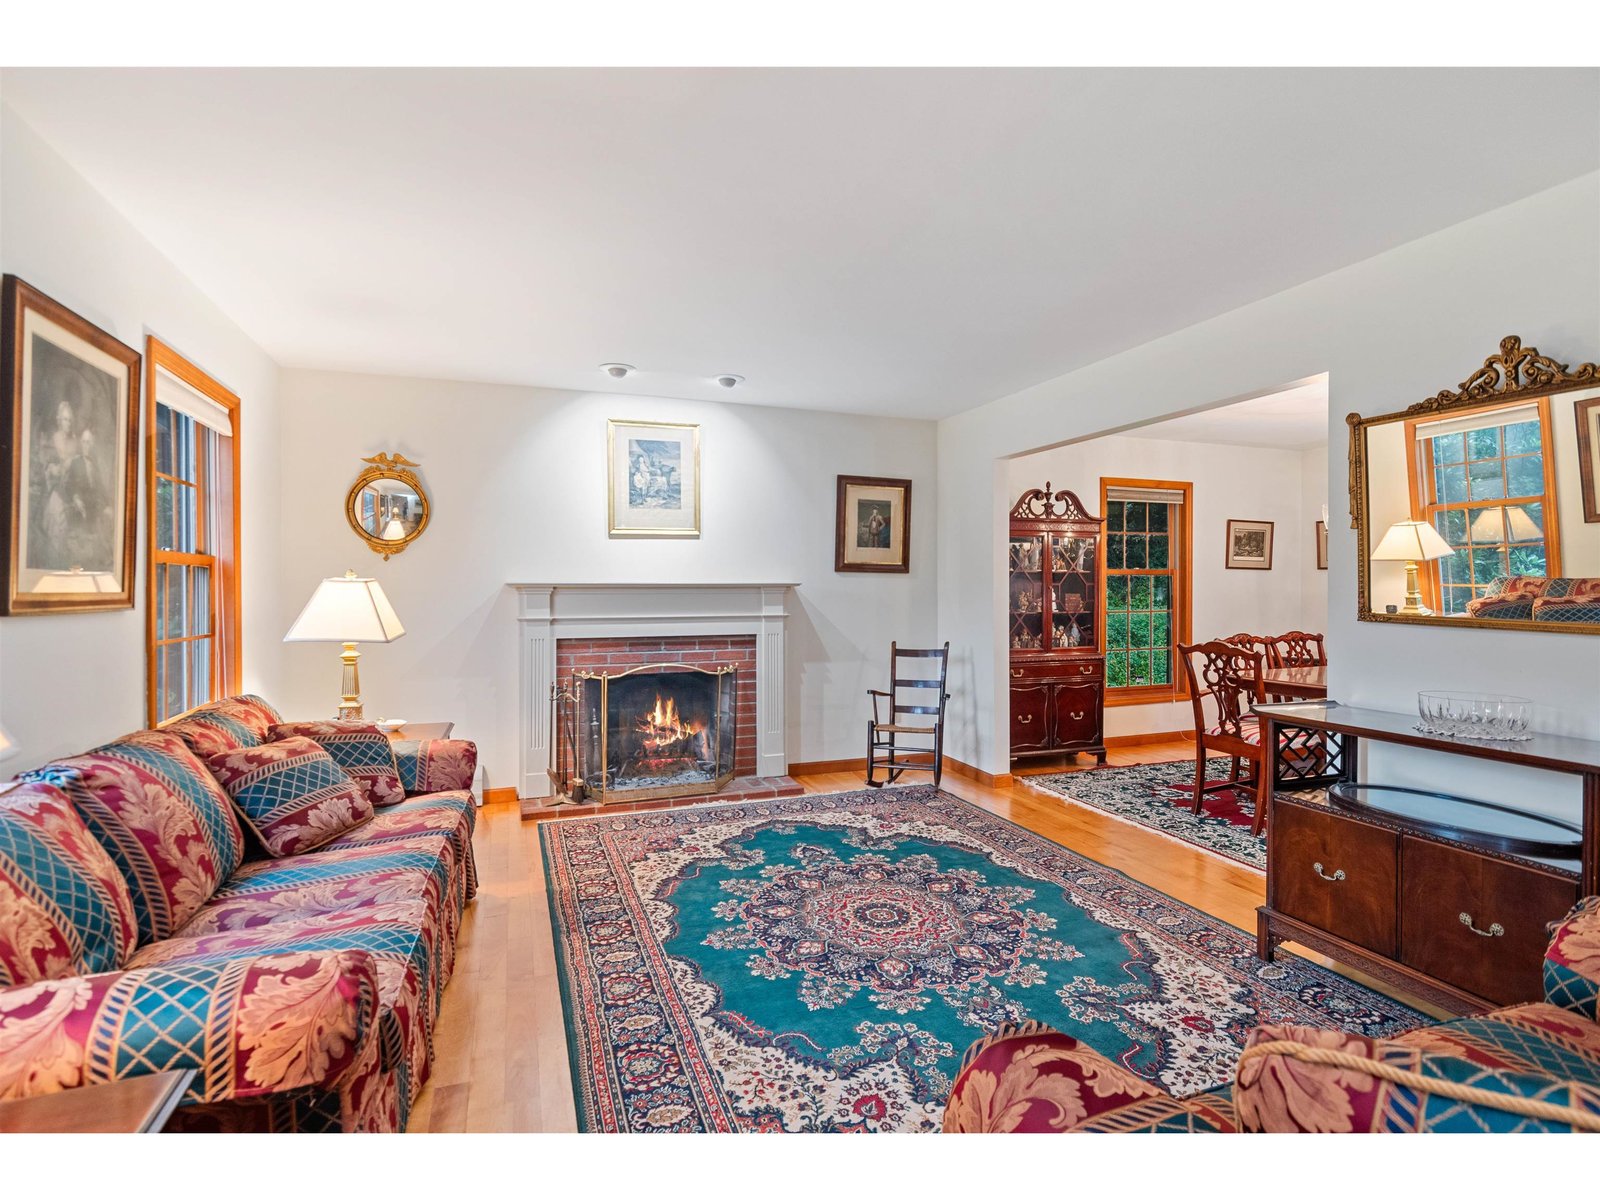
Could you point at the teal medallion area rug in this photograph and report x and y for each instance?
(821, 963)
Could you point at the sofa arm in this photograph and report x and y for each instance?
(436, 765)
(1033, 1079)
(1295, 1080)
(249, 1027)
(1572, 961)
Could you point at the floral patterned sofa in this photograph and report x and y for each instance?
(143, 929)
(1536, 598)
(1534, 1067)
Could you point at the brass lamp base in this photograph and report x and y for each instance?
(350, 702)
(1414, 606)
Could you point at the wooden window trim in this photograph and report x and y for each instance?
(1182, 587)
(1424, 504)
(227, 624)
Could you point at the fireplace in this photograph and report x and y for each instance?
(652, 731)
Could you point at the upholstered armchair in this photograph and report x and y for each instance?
(1533, 1067)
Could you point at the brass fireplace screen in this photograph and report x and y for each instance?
(657, 730)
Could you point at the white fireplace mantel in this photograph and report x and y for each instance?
(549, 612)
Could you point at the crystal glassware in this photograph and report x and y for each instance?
(1480, 716)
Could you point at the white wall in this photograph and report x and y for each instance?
(517, 479)
(69, 682)
(1230, 482)
(1313, 496)
(1389, 331)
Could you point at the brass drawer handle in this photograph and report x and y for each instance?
(1025, 718)
(1495, 930)
(1016, 672)
(1336, 877)
(1085, 670)
(1076, 716)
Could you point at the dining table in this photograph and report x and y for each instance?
(1296, 683)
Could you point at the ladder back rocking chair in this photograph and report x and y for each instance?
(883, 746)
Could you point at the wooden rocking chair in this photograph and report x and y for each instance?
(883, 748)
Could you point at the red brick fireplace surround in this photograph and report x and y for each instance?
(621, 654)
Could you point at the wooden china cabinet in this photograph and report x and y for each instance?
(1056, 627)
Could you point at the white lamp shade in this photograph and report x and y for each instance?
(1412, 541)
(7, 746)
(1487, 526)
(394, 531)
(346, 609)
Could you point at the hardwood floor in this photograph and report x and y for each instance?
(501, 1054)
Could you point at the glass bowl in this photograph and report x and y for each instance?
(1481, 716)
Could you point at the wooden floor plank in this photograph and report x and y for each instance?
(501, 1052)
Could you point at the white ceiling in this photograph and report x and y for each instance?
(1293, 419)
(900, 241)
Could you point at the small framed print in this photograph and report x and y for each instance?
(69, 466)
(654, 479)
(1588, 414)
(1249, 546)
(1322, 545)
(873, 525)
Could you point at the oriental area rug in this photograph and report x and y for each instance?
(1160, 796)
(821, 963)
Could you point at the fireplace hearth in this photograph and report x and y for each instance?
(652, 731)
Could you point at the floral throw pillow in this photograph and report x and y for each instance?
(361, 748)
(64, 907)
(291, 793)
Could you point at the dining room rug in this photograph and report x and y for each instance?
(1159, 796)
(821, 963)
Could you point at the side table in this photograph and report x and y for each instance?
(140, 1104)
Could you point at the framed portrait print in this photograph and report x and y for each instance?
(654, 479)
(873, 526)
(1588, 413)
(1322, 545)
(69, 436)
(1249, 546)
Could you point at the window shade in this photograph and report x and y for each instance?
(1478, 420)
(1145, 495)
(180, 397)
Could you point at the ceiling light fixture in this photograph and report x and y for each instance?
(729, 381)
(617, 370)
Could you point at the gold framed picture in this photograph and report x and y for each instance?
(653, 473)
(69, 466)
(1249, 546)
(872, 530)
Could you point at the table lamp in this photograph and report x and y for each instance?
(1412, 542)
(347, 609)
(7, 746)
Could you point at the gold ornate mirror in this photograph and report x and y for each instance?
(1478, 507)
(387, 506)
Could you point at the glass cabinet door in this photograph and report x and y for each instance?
(1074, 562)
(1028, 597)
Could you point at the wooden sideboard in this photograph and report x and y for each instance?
(1462, 926)
(1056, 630)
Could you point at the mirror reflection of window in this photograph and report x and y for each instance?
(1483, 481)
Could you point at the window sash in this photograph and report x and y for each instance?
(1172, 499)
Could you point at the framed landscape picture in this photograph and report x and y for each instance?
(1322, 545)
(873, 524)
(1249, 545)
(654, 479)
(69, 436)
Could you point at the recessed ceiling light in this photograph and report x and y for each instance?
(729, 381)
(617, 370)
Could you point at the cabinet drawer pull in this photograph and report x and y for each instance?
(1076, 716)
(1494, 930)
(1336, 877)
(1085, 670)
(1016, 672)
(1025, 719)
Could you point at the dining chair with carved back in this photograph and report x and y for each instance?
(908, 697)
(1296, 649)
(1230, 676)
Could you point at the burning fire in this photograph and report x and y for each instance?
(662, 726)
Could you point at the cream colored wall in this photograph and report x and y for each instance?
(1388, 501)
(1580, 540)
